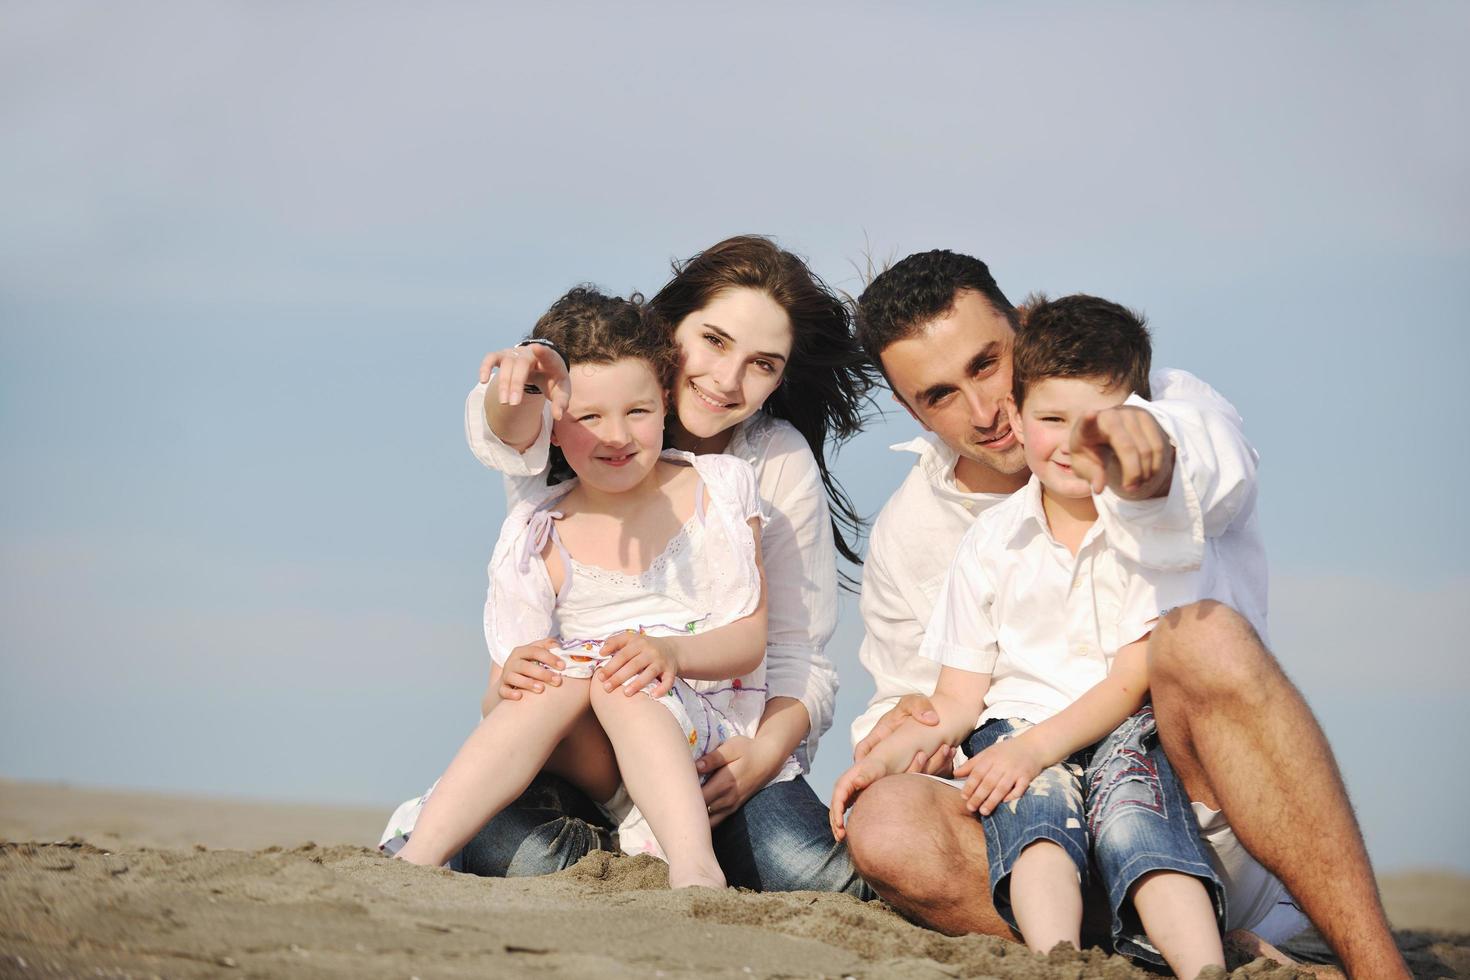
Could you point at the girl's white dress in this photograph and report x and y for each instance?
(706, 577)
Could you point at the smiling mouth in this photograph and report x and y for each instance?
(994, 441)
(709, 399)
(616, 460)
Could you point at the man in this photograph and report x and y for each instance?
(1240, 737)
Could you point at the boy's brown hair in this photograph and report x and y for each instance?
(1080, 336)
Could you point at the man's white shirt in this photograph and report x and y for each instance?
(1210, 508)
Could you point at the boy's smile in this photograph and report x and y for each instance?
(1044, 425)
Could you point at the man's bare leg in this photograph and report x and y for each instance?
(912, 839)
(1243, 741)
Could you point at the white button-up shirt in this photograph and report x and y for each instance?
(797, 550)
(915, 538)
(1045, 625)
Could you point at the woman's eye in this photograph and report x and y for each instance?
(715, 340)
(586, 418)
(766, 366)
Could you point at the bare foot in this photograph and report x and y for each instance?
(701, 875)
(1242, 946)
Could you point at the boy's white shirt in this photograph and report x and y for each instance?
(1045, 625)
(797, 550)
(918, 532)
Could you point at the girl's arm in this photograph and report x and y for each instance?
(1002, 772)
(722, 653)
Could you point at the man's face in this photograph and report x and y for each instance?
(953, 376)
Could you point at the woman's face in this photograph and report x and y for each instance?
(733, 353)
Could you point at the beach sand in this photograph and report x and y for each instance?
(137, 885)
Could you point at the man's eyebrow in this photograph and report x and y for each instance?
(932, 392)
(987, 353)
(773, 355)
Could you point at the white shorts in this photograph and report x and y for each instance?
(1254, 898)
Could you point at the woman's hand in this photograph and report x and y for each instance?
(526, 669)
(641, 659)
(534, 364)
(737, 769)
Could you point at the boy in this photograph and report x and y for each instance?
(1047, 625)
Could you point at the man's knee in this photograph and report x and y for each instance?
(895, 832)
(1207, 648)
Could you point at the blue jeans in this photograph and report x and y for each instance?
(779, 840)
(1118, 803)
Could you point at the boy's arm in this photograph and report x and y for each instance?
(1003, 771)
(957, 701)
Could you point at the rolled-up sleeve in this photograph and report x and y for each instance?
(1213, 482)
(490, 450)
(801, 584)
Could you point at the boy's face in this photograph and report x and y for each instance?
(953, 377)
(1044, 425)
(613, 428)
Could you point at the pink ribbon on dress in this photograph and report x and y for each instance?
(538, 532)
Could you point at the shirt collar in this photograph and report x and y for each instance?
(937, 462)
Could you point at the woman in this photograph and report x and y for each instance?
(769, 372)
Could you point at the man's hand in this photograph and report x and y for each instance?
(737, 768)
(1123, 448)
(1000, 774)
(859, 776)
(526, 669)
(914, 706)
(641, 659)
(534, 364)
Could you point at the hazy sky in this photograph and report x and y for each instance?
(252, 253)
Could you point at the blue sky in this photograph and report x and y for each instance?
(253, 253)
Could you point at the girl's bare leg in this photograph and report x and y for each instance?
(1046, 897)
(659, 773)
(1179, 919)
(493, 767)
(585, 758)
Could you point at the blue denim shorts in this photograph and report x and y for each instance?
(1118, 811)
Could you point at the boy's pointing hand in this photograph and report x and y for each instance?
(1123, 448)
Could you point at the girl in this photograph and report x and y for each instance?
(768, 371)
(645, 558)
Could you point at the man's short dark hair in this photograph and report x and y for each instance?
(918, 290)
(1080, 336)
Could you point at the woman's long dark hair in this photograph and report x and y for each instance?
(828, 380)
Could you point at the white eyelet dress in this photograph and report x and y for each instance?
(706, 577)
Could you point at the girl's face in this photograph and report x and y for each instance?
(613, 428)
(732, 354)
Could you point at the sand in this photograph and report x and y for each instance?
(135, 885)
